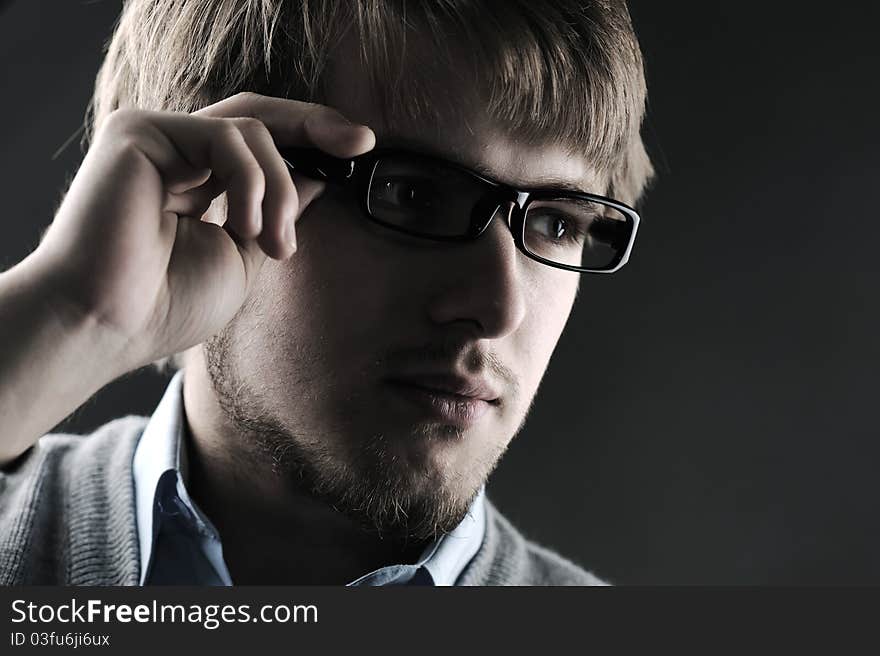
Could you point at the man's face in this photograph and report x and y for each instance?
(343, 361)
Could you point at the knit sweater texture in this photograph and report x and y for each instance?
(67, 517)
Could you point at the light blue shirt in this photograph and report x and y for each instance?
(179, 545)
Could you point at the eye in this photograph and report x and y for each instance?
(555, 227)
(407, 193)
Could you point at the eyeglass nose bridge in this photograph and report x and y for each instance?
(488, 206)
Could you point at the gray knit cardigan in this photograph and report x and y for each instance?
(67, 517)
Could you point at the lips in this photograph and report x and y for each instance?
(449, 399)
(468, 388)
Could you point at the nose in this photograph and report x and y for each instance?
(483, 285)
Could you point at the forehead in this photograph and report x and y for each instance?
(453, 124)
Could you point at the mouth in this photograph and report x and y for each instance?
(448, 400)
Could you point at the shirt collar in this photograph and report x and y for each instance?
(160, 450)
(446, 559)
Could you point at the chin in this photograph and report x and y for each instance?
(406, 485)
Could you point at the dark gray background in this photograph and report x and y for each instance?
(709, 415)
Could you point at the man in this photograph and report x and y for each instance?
(361, 288)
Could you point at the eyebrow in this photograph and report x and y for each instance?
(542, 183)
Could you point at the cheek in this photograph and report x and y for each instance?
(350, 271)
(558, 300)
(338, 274)
(550, 299)
(340, 292)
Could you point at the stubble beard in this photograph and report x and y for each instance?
(364, 479)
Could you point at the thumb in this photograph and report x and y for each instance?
(333, 133)
(308, 189)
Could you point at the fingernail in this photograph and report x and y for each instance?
(257, 220)
(290, 235)
(339, 120)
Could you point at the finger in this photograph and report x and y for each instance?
(215, 144)
(280, 206)
(196, 201)
(297, 123)
(308, 189)
(330, 131)
(186, 178)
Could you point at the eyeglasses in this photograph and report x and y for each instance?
(431, 198)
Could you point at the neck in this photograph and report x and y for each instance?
(273, 532)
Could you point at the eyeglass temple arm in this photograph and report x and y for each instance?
(317, 164)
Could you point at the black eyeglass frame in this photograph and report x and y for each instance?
(359, 171)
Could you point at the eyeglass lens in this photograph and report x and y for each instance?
(427, 198)
(423, 197)
(575, 232)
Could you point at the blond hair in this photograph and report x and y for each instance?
(568, 71)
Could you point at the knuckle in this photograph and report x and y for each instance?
(250, 125)
(227, 131)
(122, 114)
(317, 113)
(246, 96)
(325, 113)
(123, 132)
(122, 119)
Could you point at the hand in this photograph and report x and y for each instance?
(132, 247)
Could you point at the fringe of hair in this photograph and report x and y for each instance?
(566, 71)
